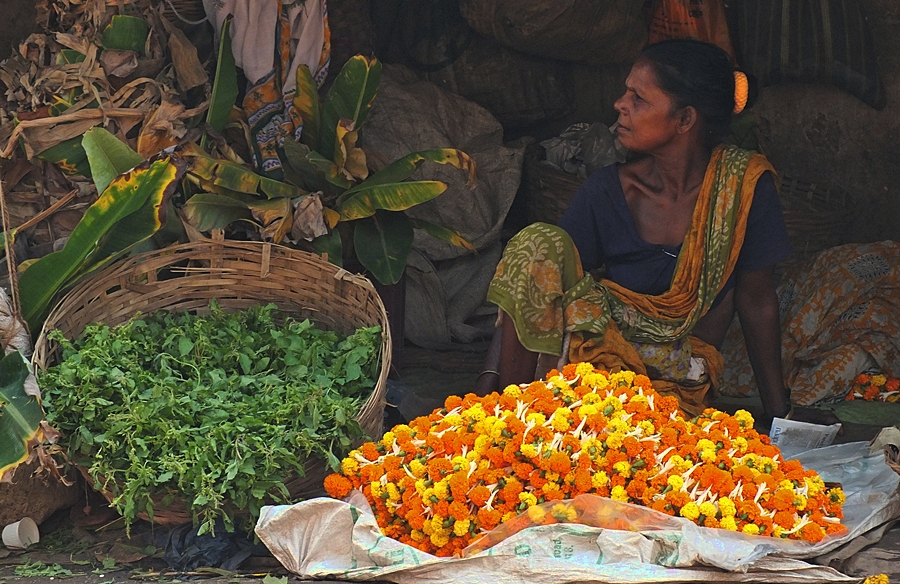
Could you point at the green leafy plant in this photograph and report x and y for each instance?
(39, 569)
(20, 413)
(130, 209)
(351, 213)
(215, 410)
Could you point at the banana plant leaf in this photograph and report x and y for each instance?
(69, 56)
(276, 217)
(225, 85)
(383, 242)
(234, 177)
(349, 160)
(389, 197)
(39, 284)
(69, 156)
(206, 211)
(350, 98)
(125, 33)
(402, 168)
(302, 172)
(451, 236)
(331, 246)
(306, 102)
(108, 156)
(20, 413)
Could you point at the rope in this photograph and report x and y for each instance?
(183, 19)
(10, 257)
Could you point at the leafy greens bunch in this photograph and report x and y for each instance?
(215, 410)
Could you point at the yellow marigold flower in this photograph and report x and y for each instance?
(563, 512)
(454, 420)
(705, 444)
(551, 476)
(476, 413)
(618, 493)
(559, 383)
(879, 579)
(417, 536)
(529, 450)
(878, 379)
(588, 409)
(690, 511)
(420, 487)
(497, 429)
(349, 466)
(428, 493)
(393, 492)
(765, 461)
(623, 467)
(638, 398)
(536, 417)
(527, 498)
(786, 484)
(597, 381)
(728, 523)
(647, 428)
(559, 421)
(617, 424)
(614, 440)
(676, 482)
(751, 529)
(536, 514)
(815, 485)
(583, 369)
(442, 489)
(800, 502)
(387, 440)
(778, 531)
(740, 443)
(707, 509)
(460, 528)
(507, 516)
(726, 507)
(462, 461)
(707, 455)
(426, 527)
(599, 479)
(440, 539)
(417, 468)
(482, 443)
(744, 417)
(376, 489)
(550, 486)
(837, 495)
(591, 398)
(568, 394)
(611, 402)
(512, 390)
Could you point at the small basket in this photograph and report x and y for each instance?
(238, 275)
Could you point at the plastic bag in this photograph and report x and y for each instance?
(691, 19)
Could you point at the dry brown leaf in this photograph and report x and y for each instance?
(309, 222)
(188, 69)
(118, 63)
(162, 128)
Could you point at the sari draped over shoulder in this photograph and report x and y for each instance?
(540, 284)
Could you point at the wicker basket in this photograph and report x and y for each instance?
(816, 217)
(238, 275)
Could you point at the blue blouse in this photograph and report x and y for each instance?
(600, 223)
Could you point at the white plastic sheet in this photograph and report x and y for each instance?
(325, 538)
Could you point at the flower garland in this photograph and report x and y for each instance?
(875, 388)
(446, 479)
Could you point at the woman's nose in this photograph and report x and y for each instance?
(619, 105)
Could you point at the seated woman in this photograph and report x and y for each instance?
(688, 230)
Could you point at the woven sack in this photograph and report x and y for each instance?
(238, 275)
(816, 217)
(612, 31)
(809, 41)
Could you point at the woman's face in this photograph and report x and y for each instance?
(647, 115)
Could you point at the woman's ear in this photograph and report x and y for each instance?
(687, 119)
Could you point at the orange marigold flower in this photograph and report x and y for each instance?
(369, 451)
(338, 486)
(812, 532)
(458, 511)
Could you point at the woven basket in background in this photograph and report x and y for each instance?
(816, 217)
(238, 275)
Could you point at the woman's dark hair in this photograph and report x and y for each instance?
(697, 74)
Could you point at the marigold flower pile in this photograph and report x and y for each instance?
(445, 479)
(875, 388)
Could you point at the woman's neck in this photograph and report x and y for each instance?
(677, 172)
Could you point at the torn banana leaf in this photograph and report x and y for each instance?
(20, 414)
